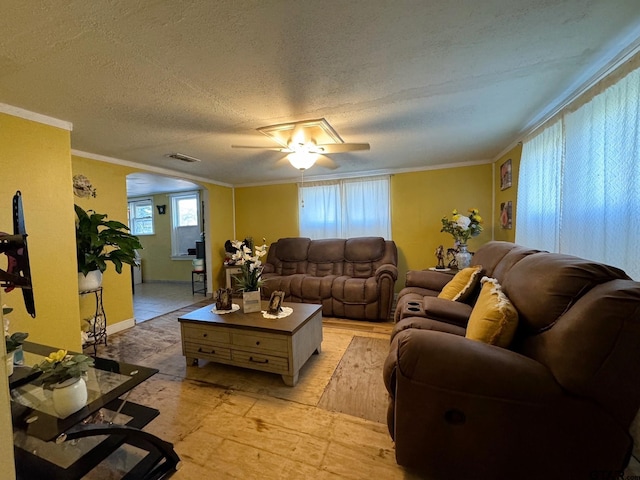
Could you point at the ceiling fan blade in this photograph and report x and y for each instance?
(277, 149)
(342, 147)
(326, 162)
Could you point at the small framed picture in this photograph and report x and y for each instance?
(505, 215)
(275, 302)
(505, 175)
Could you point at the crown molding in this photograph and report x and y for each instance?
(35, 117)
(148, 168)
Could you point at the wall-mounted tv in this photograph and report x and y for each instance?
(18, 273)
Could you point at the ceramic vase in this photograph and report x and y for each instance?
(251, 301)
(463, 257)
(90, 281)
(69, 396)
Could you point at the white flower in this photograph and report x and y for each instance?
(463, 222)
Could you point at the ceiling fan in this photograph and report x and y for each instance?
(306, 142)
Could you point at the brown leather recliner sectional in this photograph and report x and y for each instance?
(556, 404)
(352, 278)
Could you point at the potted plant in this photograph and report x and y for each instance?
(12, 342)
(63, 373)
(462, 228)
(250, 279)
(99, 241)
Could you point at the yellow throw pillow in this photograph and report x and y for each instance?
(462, 285)
(493, 319)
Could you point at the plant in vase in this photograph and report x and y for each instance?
(462, 228)
(99, 241)
(13, 341)
(63, 373)
(250, 279)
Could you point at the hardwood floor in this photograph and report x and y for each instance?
(228, 422)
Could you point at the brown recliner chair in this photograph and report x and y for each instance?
(557, 404)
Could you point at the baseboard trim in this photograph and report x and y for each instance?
(118, 327)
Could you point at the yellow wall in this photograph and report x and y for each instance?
(508, 194)
(36, 160)
(419, 200)
(269, 212)
(109, 180)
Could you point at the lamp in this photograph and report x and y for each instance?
(162, 209)
(302, 160)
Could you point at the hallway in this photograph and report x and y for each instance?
(157, 298)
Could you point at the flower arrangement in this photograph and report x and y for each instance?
(13, 341)
(251, 278)
(60, 366)
(462, 227)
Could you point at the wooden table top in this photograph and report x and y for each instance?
(302, 312)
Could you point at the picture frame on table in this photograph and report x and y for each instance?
(505, 175)
(275, 302)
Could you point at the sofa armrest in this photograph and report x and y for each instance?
(448, 311)
(457, 364)
(428, 279)
(387, 269)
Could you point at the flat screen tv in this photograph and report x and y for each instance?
(14, 246)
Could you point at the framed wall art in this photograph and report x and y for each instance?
(506, 211)
(505, 175)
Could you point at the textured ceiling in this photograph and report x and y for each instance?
(424, 82)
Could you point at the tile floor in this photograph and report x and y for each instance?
(153, 299)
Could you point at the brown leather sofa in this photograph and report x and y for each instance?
(557, 403)
(352, 278)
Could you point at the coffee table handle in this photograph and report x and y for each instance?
(266, 360)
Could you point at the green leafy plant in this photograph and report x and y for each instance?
(251, 278)
(99, 241)
(60, 366)
(462, 227)
(13, 341)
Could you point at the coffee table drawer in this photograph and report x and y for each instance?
(274, 343)
(206, 351)
(258, 361)
(194, 333)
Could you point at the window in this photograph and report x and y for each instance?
(597, 180)
(141, 216)
(345, 208)
(185, 223)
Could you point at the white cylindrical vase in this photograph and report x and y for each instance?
(69, 396)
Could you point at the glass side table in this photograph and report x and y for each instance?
(47, 446)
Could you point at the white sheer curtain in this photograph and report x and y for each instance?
(366, 208)
(345, 208)
(539, 190)
(320, 210)
(601, 192)
(579, 185)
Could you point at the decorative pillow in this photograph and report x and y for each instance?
(493, 319)
(462, 285)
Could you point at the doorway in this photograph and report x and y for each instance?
(163, 283)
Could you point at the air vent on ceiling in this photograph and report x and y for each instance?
(183, 157)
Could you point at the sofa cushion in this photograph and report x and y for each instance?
(561, 280)
(493, 319)
(364, 249)
(462, 284)
(293, 249)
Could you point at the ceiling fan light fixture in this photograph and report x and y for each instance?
(302, 160)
